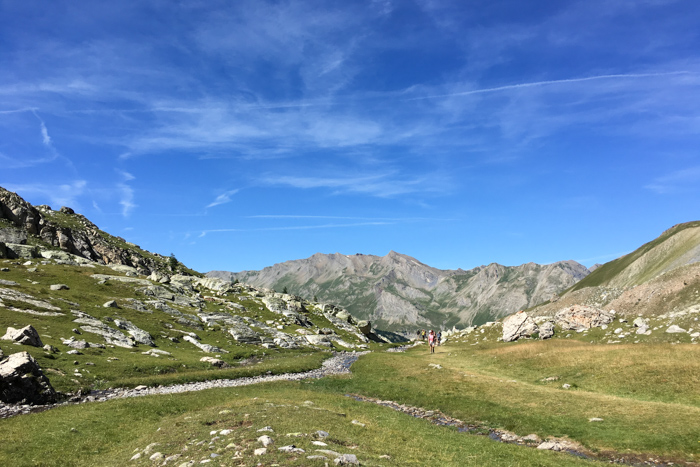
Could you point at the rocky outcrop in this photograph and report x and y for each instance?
(69, 231)
(21, 380)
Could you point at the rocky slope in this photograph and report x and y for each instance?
(24, 229)
(398, 292)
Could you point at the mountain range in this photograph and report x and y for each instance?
(398, 292)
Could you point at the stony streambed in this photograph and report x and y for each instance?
(336, 365)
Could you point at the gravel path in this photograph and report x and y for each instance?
(336, 365)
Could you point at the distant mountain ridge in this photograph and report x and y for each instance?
(398, 292)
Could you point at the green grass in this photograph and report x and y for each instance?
(499, 386)
(109, 434)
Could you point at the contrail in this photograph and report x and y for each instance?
(546, 83)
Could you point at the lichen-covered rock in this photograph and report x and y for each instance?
(21, 380)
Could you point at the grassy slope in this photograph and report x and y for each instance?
(609, 271)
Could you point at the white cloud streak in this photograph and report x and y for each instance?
(679, 181)
(223, 198)
(297, 227)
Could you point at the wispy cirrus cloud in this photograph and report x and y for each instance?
(385, 185)
(297, 227)
(126, 193)
(676, 182)
(223, 198)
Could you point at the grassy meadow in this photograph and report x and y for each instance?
(647, 395)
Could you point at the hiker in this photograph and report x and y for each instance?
(439, 337)
(431, 341)
(422, 334)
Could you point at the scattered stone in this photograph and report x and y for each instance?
(214, 362)
(346, 459)
(260, 451)
(320, 434)
(595, 419)
(265, 440)
(566, 386)
(266, 428)
(675, 329)
(59, 287)
(291, 448)
(358, 423)
(50, 349)
(110, 304)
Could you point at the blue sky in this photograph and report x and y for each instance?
(241, 134)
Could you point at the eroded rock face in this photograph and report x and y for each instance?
(517, 326)
(580, 317)
(21, 380)
(25, 336)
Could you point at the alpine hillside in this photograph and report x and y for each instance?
(397, 292)
(658, 278)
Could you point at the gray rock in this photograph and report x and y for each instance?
(214, 361)
(365, 327)
(205, 347)
(315, 339)
(675, 329)
(265, 440)
(59, 287)
(640, 323)
(139, 335)
(21, 380)
(546, 330)
(518, 325)
(13, 235)
(580, 317)
(75, 344)
(110, 304)
(25, 336)
(16, 251)
(346, 459)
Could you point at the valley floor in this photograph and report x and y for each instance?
(513, 388)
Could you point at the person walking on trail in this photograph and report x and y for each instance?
(431, 341)
(439, 337)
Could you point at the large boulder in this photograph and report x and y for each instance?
(517, 326)
(25, 336)
(365, 327)
(546, 330)
(21, 380)
(579, 317)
